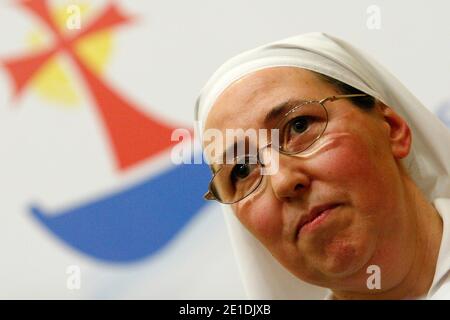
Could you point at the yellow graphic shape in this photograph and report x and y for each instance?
(54, 81)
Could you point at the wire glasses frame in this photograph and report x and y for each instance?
(212, 194)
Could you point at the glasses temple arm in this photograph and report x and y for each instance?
(344, 96)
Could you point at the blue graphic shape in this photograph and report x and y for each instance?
(443, 112)
(135, 223)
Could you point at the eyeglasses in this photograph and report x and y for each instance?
(298, 130)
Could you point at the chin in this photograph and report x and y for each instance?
(342, 258)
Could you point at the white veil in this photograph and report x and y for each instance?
(428, 163)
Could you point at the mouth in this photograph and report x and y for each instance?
(314, 218)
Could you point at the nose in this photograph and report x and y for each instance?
(291, 180)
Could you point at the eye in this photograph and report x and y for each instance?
(299, 124)
(240, 171)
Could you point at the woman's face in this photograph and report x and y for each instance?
(353, 171)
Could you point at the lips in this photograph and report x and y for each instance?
(313, 215)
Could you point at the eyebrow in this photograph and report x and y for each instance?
(216, 166)
(281, 108)
(231, 148)
(228, 149)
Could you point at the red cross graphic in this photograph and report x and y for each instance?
(134, 136)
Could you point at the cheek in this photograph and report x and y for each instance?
(348, 158)
(355, 167)
(261, 215)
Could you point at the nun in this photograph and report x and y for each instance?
(359, 206)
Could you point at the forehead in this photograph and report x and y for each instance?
(246, 102)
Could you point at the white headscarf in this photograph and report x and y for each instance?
(428, 163)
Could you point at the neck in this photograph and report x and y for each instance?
(419, 275)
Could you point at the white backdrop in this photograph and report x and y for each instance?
(56, 155)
